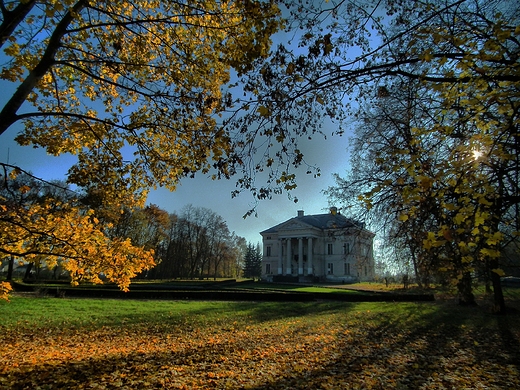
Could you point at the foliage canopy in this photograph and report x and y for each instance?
(134, 89)
(463, 58)
(130, 87)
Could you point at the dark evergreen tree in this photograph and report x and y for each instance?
(257, 264)
(253, 261)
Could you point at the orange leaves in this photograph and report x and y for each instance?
(56, 233)
(329, 348)
(102, 89)
(264, 111)
(5, 289)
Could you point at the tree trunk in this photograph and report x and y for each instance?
(28, 271)
(11, 19)
(416, 270)
(489, 290)
(499, 304)
(466, 297)
(8, 115)
(10, 268)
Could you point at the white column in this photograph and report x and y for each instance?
(300, 256)
(280, 243)
(309, 256)
(288, 271)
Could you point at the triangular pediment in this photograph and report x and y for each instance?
(292, 225)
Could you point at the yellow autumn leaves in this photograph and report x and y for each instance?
(149, 345)
(5, 289)
(53, 233)
(133, 88)
(144, 75)
(459, 168)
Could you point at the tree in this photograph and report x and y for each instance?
(253, 261)
(171, 253)
(145, 227)
(145, 75)
(219, 241)
(134, 89)
(466, 53)
(60, 231)
(380, 171)
(21, 189)
(233, 264)
(258, 261)
(198, 244)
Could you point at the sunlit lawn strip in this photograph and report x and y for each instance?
(89, 343)
(296, 288)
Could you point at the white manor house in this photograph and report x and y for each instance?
(322, 247)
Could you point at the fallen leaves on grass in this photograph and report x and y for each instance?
(327, 351)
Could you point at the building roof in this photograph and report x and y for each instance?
(332, 220)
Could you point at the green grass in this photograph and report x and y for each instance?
(479, 290)
(208, 284)
(326, 290)
(293, 288)
(57, 343)
(47, 312)
(30, 312)
(96, 313)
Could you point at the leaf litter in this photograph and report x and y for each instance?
(329, 350)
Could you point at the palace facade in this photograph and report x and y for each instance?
(322, 247)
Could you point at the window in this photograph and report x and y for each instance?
(330, 249)
(268, 269)
(330, 268)
(347, 268)
(268, 251)
(346, 248)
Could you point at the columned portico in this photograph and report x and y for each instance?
(288, 271)
(309, 247)
(300, 256)
(280, 260)
(310, 270)
(289, 256)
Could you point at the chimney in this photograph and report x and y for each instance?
(333, 210)
(300, 213)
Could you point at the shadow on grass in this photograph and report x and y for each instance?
(259, 312)
(56, 315)
(244, 312)
(162, 369)
(430, 347)
(445, 350)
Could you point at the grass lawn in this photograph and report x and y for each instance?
(52, 343)
(294, 288)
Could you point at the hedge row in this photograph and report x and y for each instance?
(220, 295)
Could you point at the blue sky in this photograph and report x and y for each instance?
(330, 155)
